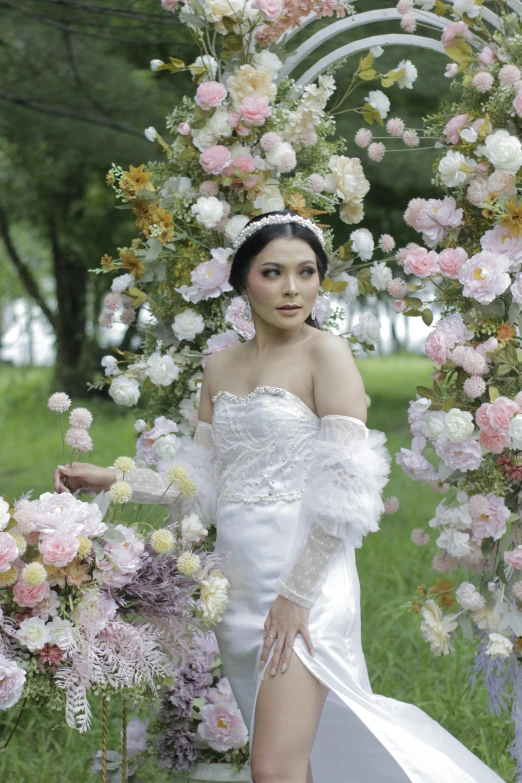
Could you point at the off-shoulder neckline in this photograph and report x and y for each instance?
(279, 391)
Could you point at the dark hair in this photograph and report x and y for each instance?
(245, 255)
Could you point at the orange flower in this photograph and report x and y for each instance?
(109, 179)
(107, 262)
(135, 179)
(141, 210)
(421, 591)
(489, 210)
(513, 219)
(415, 606)
(132, 262)
(444, 588)
(505, 332)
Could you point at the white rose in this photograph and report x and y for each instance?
(367, 329)
(214, 596)
(270, 200)
(4, 513)
(192, 529)
(208, 211)
(122, 283)
(380, 275)
(455, 168)
(468, 7)
(188, 324)
(454, 542)
(432, 424)
(219, 123)
(58, 632)
(167, 446)
(458, 425)
(235, 225)
(503, 151)
(362, 243)
(347, 180)
(150, 133)
(155, 64)
(110, 365)
(351, 213)
(499, 646)
(203, 138)
(210, 65)
(267, 60)
(469, 134)
(515, 430)
(379, 101)
(163, 370)
(410, 75)
(125, 391)
(140, 425)
(487, 619)
(352, 288)
(33, 633)
(469, 597)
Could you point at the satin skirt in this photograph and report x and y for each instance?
(362, 737)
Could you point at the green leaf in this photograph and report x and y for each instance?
(412, 312)
(113, 536)
(513, 313)
(425, 392)
(493, 393)
(365, 62)
(367, 74)
(413, 301)
(448, 404)
(427, 316)
(465, 626)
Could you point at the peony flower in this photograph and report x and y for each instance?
(486, 56)
(255, 109)
(503, 151)
(437, 347)
(517, 103)
(469, 597)
(432, 424)
(451, 260)
(8, 551)
(495, 418)
(122, 560)
(451, 31)
(210, 94)
(162, 370)
(213, 596)
(499, 646)
(436, 628)
(454, 127)
(414, 464)
(514, 557)
(422, 263)
(222, 725)
(380, 276)
(362, 243)
(367, 329)
(379, 101)
(124, 391)
(12, 680)
(59, 549)
(28, 595)
(188, 324)
(461, 455)
(484, 276)
(458, 425)
(454, 168)
(491, 522)
(33, 633)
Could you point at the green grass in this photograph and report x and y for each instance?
(390, 568)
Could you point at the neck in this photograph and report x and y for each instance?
(269, 337)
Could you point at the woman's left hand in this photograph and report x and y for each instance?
(285, 620)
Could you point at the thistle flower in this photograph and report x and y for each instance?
(517, 590)
(474, 387)
(419, 536)
(85, 547)
(105, 319)
(443, 563)
(410, 138)
(395, 126)
(21, 542)
(125, 464)
(376, 151)
(483, 81)
(363, 137)
(180, 478)
(80, 418)
(188, 563)
(386, 243)
(79, 439)
(128, 315)
(397, 288)
(113, 302)
(59, 402)
(8, 578)
(316, 183)
(120, 492)
(34, 574)
(391, 505)
(162, 541)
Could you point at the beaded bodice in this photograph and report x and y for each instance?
(263, 442)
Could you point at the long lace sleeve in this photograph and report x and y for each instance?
(198, 456)
(347, 472)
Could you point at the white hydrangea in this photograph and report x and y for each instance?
(150, 133)
(110, 365)
(367, 329)
(219, 124)
(176, 188)
(458, 425)
(455, 542)
(162, 370)
(380, 275)
(362, 243)
(269, 200)
(125, 391)
(410, 75)
(487, 619)
(379, 101)
(167, 446)
(455, 168)
(188, 324)
(469, 597)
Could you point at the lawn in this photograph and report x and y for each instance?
(390, 568)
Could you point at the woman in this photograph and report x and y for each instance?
(292, 477)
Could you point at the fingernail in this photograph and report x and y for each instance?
(62, 466)
(284, 668)
(272, 671)
(261, 664)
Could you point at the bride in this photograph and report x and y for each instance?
(291, 476)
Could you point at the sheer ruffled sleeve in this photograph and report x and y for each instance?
(347, 472)
(198, 456)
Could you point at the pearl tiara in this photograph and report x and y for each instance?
(274, 220)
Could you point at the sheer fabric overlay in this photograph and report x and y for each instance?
(347, 472)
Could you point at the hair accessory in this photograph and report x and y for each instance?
(273, 220)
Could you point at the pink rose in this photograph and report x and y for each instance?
(215, 158)
(486, 56)
(422, 263)
(451, 260)
(242, 130)
(271, 9)
(184, 129)
(251, 181)
(222, 726)
(26, 595)
(210, 94)
(451, 31)
(460, 455)
(8, 551)
(494, 442)
(514, 558)
(255, 109)
(399, 305)
(234, 118)
(245, 163)
(58, 549)
(437, 348)
(454, 127)
(12, 679)
(517, 103)
(484, 276)
(493, 523)
(494, 418)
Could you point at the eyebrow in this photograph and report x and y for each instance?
(281, 266)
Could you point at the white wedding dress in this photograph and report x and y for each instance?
(292, 495)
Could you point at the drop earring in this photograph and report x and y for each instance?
(312, 314)
(247, 312)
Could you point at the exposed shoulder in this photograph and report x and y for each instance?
(218, 365)
(338, 386)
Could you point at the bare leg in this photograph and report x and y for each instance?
(287, 715)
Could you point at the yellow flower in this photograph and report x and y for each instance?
(120, 492)
(505, 332)
(162, 541)
(513, 219)
(8, 578)
(107, 262)
(444, 587)
(125, 464)
(84, 548)
(21, 543)
(34, 574)
(135, 179)
(132, 263)
(180, 477)
(109, 179)
(188, 564)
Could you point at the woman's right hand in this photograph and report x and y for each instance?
(83, 475)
